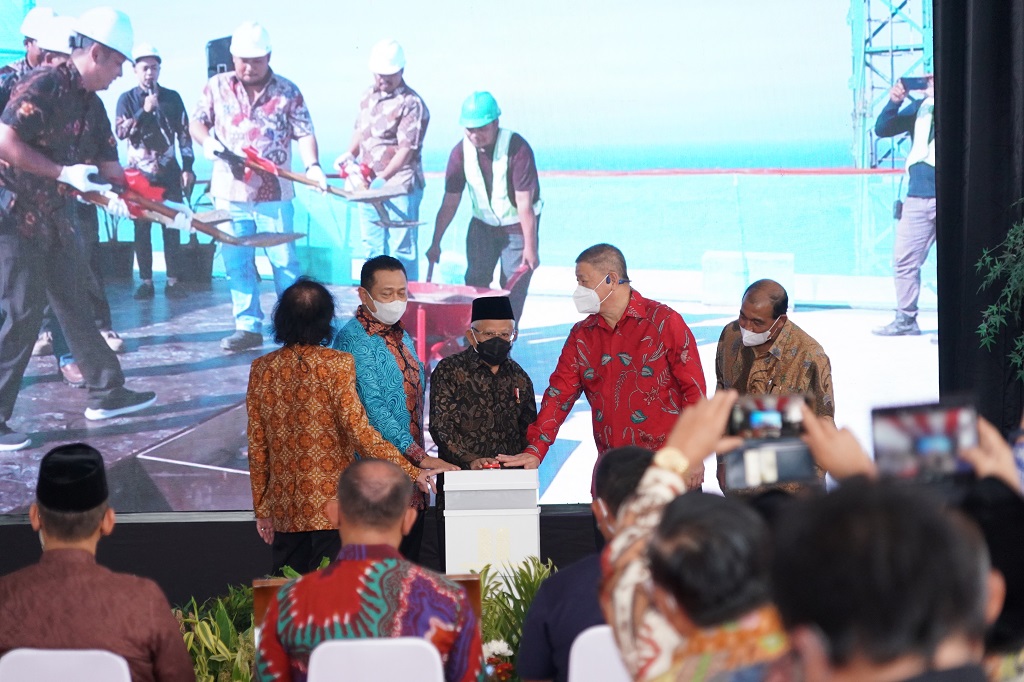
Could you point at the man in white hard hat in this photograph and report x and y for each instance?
(31, 28)
(154, 121)
(505, 216)
(253, 106)
(57, 140)
(388, 138)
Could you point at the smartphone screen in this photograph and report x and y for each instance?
(915, 82)
(768, 462)
(924, 441)
(767, 416)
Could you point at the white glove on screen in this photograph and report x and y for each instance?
(346, 158)
(78, 177)
(182, 221)
(316, 174)
(211, 146)
(116, 206)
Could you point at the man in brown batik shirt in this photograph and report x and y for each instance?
(67, 600)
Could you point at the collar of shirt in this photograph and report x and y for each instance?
(637, 307)
(781, 341)
(377, 96)
(368, 552)
(375, 327)
(67, 556)
(238, 88)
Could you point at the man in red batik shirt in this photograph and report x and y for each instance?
(635, 359)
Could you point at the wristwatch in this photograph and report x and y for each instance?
(671, 459)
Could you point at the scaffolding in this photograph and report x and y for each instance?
(891, 39)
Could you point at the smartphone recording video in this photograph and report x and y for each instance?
(914, 83)
(767, 416)
(924, 441)
(772, 452)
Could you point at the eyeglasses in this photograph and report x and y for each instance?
(504, 336)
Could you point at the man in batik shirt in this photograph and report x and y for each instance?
(253, 106)
(388, 138)
(713, 620)
(153, 120)
(764, 352)
(389, 376)
(32, 27)
(370, 591)
(635, 359)
(481, 400)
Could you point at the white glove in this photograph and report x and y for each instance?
(316, 174)
(211, 146)
(182, 221)
(116, 206)
(78, 177)
(339, 163)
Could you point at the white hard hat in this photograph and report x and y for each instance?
(109, 27)
(387, 57)
(250, 41)
(145, 50)
(56, 35)
(35, 21)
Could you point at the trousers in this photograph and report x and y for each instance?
(485, 246)
(398, 242)
(915, 234)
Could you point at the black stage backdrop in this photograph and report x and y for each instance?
(979, 128)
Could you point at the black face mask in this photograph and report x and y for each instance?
(494, 351)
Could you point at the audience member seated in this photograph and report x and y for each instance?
(370, 591)
(567, 603)
(67, 601)
(686, 588)
(877, 582)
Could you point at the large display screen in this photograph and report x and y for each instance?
(714, 143)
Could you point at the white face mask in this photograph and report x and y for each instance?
(751, 339)
(587, 301)
(389, 313)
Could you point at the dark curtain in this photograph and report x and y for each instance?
(979, 128)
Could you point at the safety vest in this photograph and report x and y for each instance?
(498, 210)
(923, 148)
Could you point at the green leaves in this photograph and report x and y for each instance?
(505, 599)
(219, 636)
(1004, 263)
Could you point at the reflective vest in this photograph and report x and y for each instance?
(497, 210)
(923, 148)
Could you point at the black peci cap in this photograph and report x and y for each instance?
(492, 308)
(72, 478)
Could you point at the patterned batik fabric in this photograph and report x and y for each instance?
(306, 423)
(476, 413)
(390, 380)
(52, 112)
(153, 137)
(370, 591)
(388, 122)
(795, 363)
(269, 123)
(18, 68)
(651, 647)
(637, 377)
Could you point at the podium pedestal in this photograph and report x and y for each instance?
(491, 517)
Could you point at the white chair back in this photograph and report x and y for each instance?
(394, 659)
(61, 665)
(595, 656)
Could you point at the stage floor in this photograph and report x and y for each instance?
(188, 452)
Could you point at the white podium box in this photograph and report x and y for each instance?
(491, 517)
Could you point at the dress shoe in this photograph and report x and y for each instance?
(71, 375)
(145, 291)
(176, 290)
(241, 340)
